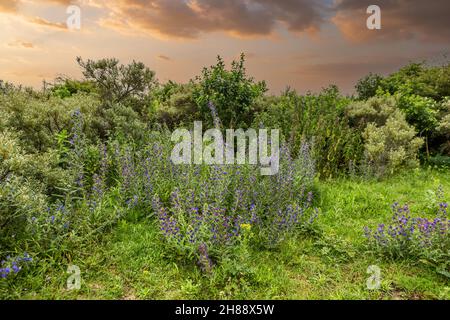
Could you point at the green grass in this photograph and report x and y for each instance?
(130, 262)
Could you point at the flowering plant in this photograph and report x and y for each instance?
(408, 236)
(12, 265)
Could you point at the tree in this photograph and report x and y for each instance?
(118, 83)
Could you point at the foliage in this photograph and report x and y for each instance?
(5, 87)
(117, 82)
(367, 87)
(175, 104)
(210, 207)
(320, 118)
(422, 92)
(232, 92)
(425, 81)
(414, 237)
(38, 121)
(389, 141)
(66, 87)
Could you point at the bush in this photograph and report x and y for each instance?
(175, 105)
(319, 118)
(389, 141)
(232, 92)
(37, 121)
(422, 92)
(66, 87)
(19, 201)
(367, 87)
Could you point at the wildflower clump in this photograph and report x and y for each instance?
(12, 265)
(216, 213)
(416, 237)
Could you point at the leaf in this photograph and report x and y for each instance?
(443, 272)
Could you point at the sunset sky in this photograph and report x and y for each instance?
(304, 44)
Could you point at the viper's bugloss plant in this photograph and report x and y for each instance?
(413, 237)
(208, 205)
(13, 265)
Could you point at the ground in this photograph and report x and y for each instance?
(130, 261)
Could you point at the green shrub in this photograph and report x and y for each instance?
(20, 200)
(37, 121)
(175, 105)
(12, 157)
(66, 87)
(389, 141)
(367, 87)
(320, 119)
(232, 93)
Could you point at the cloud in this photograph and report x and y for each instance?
(21, 44)
(163, 57)
(9, 6)
(64, 2)
(400, 19)
(46, 23)
(12, 6)
(190, 19)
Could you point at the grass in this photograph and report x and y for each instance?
(130, 262)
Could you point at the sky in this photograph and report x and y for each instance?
(304, 44)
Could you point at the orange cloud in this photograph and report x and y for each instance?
(22, 44)
(163, 57)
(46, 23)
(8, 6)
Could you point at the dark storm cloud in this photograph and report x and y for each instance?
(188, 19)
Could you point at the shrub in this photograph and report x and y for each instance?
(37, 121)
(420, 79)
(389, 141)
(66, 87)
(319, 118)
(19, 201)
(175, 104)
(367, 87)
(422, 92)
(12, 156)
(5, 87)
(232, 92)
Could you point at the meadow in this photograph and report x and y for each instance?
(358, 209)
